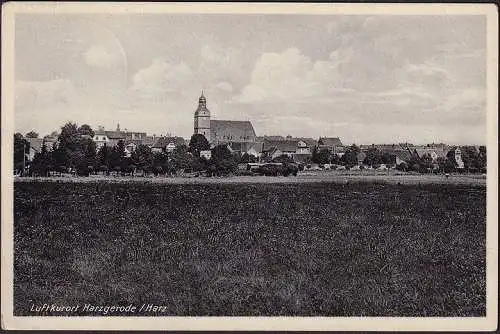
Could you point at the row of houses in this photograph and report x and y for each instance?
(300, 149)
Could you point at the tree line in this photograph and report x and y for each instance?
(474, 160)
(76, 152)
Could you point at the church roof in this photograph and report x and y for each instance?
(235, 130)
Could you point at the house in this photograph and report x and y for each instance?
(255, 149)
(100, 138)
(167, 144)
(296, 149)
(332, 144)
(111, 138)
(434, 153)
(398, 155)
(276, 148)
(302, 148)
(401, 156)
(310, 142)
(149, 141)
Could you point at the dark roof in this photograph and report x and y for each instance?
(115, 134)
(330, 141)
(137, 142)
(404, 155)
(149, 140)
(282, 145)
(257, 147)
(232, 130)
(421, 151)
(162, 142)
(310, 142)
(261, 138)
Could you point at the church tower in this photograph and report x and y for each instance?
(202, 118)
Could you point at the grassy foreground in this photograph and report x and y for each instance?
(309, 249)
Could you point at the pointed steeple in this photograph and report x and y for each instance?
(202, 102)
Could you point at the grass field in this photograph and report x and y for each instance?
(309, 249)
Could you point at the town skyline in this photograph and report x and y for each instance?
(365, 79)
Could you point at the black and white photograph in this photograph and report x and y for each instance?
(191, 166)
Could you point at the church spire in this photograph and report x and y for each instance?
(202, 101)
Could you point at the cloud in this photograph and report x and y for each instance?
(103, 56)
(162, 77)
(39, 94)
(285, 75)
(225, 86)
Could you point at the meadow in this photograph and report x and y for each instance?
(252, 249)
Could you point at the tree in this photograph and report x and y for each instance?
(350, 157)
(388, 158)
(181, 157)
(223, 159)
(445, 164)
(198, 143)
(142, 156)
(60, 158)
(21, 148)
(85, 158)
(474, 160)
(482, 159)
(426, 162)
(117, 155)
(320, 156)
(373, 157)
(32, 134)
(69, 138)
(42, 162)
(414, 163)
(334, 159)
(85, 129)
(104, 157)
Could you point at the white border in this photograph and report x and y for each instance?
(487, 323)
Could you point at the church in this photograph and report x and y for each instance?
(239, 135)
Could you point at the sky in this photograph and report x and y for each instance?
(365, 79)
